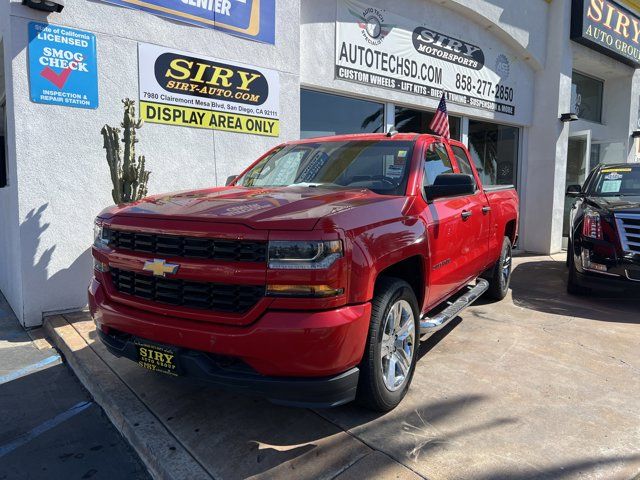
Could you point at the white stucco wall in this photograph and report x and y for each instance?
(62, 175)
(10, 272)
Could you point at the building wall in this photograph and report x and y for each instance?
(59, 177)
(62, 175)
(10, 272)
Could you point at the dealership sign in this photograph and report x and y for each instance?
(63, 69)
(179, 88)
(382, 49)
(607, 27)
(253, 19)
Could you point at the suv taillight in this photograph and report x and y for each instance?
(592, 225)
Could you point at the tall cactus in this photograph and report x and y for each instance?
(128, 174)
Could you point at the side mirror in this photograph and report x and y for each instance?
(574, 190)
(230, 180)
(451, 185)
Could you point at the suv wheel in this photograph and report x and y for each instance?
(392, 346)
(501, 273)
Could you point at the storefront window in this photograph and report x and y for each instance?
(324, 114)
(588, 97)
(409, 120)
(494, 150)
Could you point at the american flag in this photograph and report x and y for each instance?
(440, 122)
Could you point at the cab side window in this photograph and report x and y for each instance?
(463, 162)
(436, 162)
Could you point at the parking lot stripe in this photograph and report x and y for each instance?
(28, 369)
(43, 427)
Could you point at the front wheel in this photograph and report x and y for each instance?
(390, 355)
(572, 280)
(501, 273)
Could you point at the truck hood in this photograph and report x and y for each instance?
(288, 208)
(617, 204)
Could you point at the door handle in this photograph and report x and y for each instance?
(466, 214)
(486, 209)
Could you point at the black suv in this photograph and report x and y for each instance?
(604, 238)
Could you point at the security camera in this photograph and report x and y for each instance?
(45, 5)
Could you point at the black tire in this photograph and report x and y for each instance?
(372, 390)
(500, 279)
(572, 282)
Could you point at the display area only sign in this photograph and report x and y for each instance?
(179, 88)
(382, 49)
(63, 69)
(253, 19)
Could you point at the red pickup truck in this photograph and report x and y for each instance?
(311, 277)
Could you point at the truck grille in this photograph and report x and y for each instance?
(188, 247)
(629, 230)
(199, 295)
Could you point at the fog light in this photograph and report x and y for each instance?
(318, 291)
(587, 264)
(100, 266)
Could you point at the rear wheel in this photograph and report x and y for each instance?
(501, 274)
(390, 355)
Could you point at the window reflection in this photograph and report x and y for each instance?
(323, 114)
(494, 150)
(409, 120)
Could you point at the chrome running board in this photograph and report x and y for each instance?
(439, 320)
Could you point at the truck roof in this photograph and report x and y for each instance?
(364, 136)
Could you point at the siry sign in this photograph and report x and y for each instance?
(608, 28)
(179, 88)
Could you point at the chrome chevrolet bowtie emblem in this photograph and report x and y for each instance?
(160, 267)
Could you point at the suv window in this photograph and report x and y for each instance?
(436, 162)
(463, 161)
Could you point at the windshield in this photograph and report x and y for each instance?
(617, 181)
(380, 166)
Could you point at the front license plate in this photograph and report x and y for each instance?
(158, 358)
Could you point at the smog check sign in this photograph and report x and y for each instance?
(63, 68)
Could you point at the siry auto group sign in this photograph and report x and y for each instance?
(607, 27)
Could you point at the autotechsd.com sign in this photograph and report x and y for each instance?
(180, 88)
(382, 49)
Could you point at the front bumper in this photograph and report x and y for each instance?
(287, 351)
(322, 392)
(622, 271)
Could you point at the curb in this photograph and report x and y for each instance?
(163, 455)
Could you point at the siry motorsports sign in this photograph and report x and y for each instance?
(179, 88)
(607, 27)
(381, 49)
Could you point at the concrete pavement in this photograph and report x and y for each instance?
(541, 385)
(50, 427)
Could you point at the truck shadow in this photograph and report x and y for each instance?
(541, 286)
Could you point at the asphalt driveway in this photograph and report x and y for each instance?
(541, 385)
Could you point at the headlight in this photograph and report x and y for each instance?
(100, 237)
(304, 255)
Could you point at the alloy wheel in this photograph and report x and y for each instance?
(398, 345)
